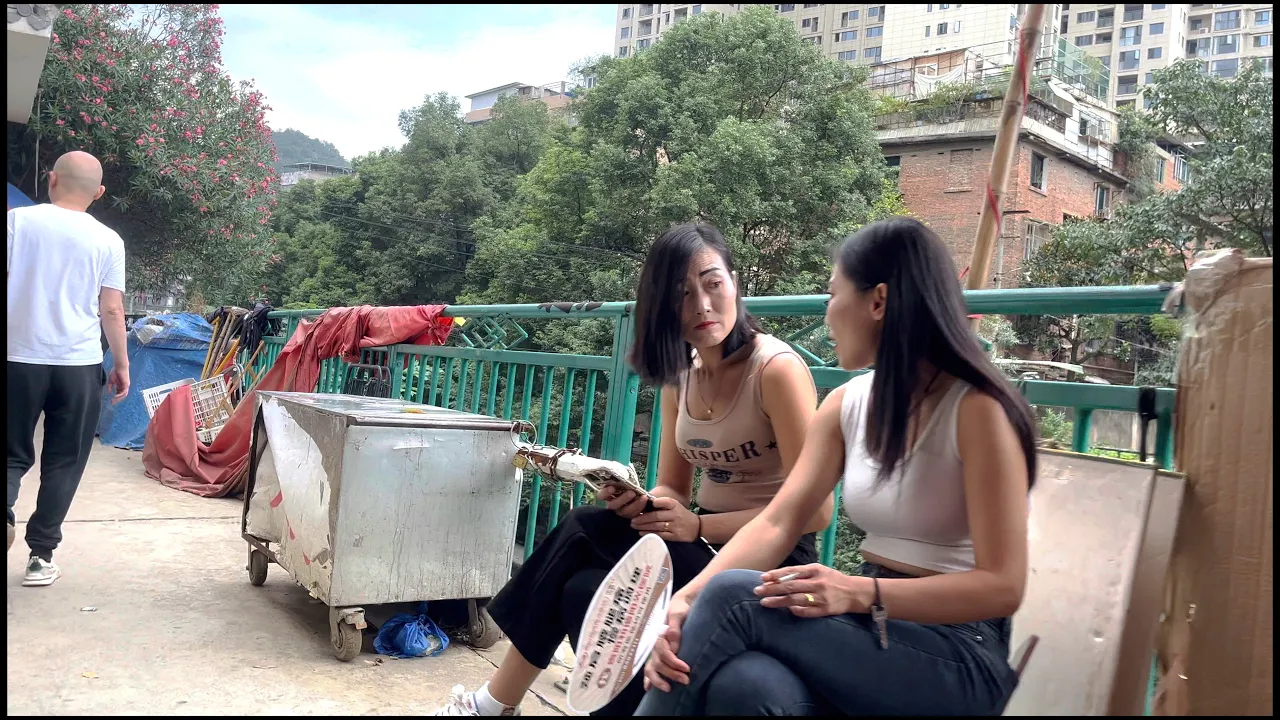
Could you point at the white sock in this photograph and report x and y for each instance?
(487, 706)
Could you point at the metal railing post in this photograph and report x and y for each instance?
(624, 390)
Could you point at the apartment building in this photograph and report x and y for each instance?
(556, 96)
(863, 33)
(1134, 40)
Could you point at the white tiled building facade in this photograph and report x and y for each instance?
(864, 33)
(1135, 40)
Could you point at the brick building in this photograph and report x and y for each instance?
(1065, 166)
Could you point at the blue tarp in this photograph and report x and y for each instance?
(162, 349)
(17, 198)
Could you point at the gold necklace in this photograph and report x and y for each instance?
(715, 391)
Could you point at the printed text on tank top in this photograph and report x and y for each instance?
(737, 450)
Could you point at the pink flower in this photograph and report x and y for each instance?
(72, 133)
(221, 163)
(61, 122)
(80, 77)
(55, 37)
(141, 141)
(204, 208)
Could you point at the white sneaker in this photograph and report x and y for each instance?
(463, 704)
(40, 573)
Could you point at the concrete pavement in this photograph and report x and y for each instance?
(178, 630)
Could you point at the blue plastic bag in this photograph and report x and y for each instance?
(410, 635)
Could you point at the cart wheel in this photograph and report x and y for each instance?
(257, 567)
(483, 632)
(347, 640)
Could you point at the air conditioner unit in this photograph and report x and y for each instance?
(1202, 31)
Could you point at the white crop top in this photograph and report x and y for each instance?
(919, 516)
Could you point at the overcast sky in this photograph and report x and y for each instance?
(343, 73)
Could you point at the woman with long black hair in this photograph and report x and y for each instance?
(735, 403)
(937, 453)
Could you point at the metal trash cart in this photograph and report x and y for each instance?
(368, 501)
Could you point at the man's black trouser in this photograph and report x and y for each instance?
(71, 399)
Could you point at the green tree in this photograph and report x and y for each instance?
(733, 121)
(186, 152)
(293, 146)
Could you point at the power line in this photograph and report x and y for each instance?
(464, 271)
(440, 223)
(446, 249)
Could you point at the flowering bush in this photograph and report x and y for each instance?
(186, 152)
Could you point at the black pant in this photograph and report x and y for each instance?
(550, 596)
(71, 399)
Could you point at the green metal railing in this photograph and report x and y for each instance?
(481, 371)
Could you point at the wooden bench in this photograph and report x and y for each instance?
(1101, 536)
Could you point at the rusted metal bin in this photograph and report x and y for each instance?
(367, 501)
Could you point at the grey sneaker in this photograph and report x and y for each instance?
(40, 573)
(463, 704)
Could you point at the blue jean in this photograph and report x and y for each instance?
(746, 659)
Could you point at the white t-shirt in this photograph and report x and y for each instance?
(59, 260)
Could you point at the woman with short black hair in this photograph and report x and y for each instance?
(735, 403)
(937, 453)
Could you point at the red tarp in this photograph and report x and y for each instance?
(174, 455)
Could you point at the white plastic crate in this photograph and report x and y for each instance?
(152, 397)
(210, 401)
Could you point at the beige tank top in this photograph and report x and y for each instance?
(738, 452)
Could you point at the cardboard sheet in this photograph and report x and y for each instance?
(1216, 645)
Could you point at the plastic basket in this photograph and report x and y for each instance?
(210, 401)
(152, 397)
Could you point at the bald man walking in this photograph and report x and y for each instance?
(66, 280)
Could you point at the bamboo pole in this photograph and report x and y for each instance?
(227, 359)
(1015, 104)
(208, 356)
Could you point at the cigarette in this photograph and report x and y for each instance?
(788, 577)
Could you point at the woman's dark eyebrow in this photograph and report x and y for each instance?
(708, 271)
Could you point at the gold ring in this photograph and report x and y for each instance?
(666, 526)
(808, 598)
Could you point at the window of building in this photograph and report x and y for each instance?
(626, 33)
(1158, 7)
(847, 55)
(942, 28)
(1196, 24)
(927, 30)
(1156, 29)
(1265, 64)
(1226, 45)
(1161, 164)
(1038, 179)
(1198, 47)
(1149, 79)
(944, 6)
(928, 8)
(681, 14)
(848, 17)
(1130, 36)
(666, 18)
(846, 36)
(786, 8)
(1262, 41)
(642, 44)
(1229, 20)
(1261, 17)
(872, 53)
(645, 28)
(812, 39)
(876, 12)
(626, 13)
(876, 31)
(894, 163)
(1035, 237)
(1132, 13)
(1106, 18)
(809, 25)
(1122, 104)
(1106, 61)
(646, 10)
(1147, 101)
(1102, 38)
(1226, 68)
(1181, 168)
(624, 51)
(1084, 41)
(1129, 59)
(1155, 53)
(1127, 85)
(1085, 17)
(955, 26)
(1101, 200)
(810, 5)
